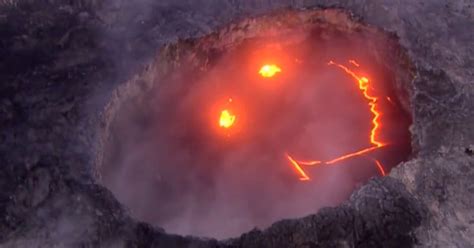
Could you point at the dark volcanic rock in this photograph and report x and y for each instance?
(380, 214)
(63, 64)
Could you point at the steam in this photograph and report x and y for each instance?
(169, 163)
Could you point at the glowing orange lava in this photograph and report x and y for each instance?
(353, 62)
(226, 119)
(363, 83)
(390, 100)
(380, 167)
(269, 70)
(311, 162)
(303, 176)
(364, 87)
(351, 155)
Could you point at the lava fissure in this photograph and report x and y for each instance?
(303, 176)
(227, 119)
(364, 87)
(363, 83)
(380, 167)
(354, 154)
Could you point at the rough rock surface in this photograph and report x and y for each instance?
(61, 64)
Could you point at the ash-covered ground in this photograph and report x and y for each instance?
(63, 64)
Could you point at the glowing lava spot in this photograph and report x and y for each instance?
(226, 119)
(269, 70)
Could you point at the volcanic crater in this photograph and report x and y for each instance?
(323, 124)
(335, 113)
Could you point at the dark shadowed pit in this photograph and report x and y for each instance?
(166, 158)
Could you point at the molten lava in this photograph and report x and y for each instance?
(351, 155)
(363, 83)
(354, 63)
(311, 162)
(269, 70)
(364, 87)
(380, 167)
(226, 119)
(303, 176)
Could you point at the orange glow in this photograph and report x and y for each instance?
(364, 87)
(390, 100)
(311, 162)
(303, 176)
(269, 70)
(353, 62)
(226, 119)
(380, 167)
(351, 155)
(363, 83)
